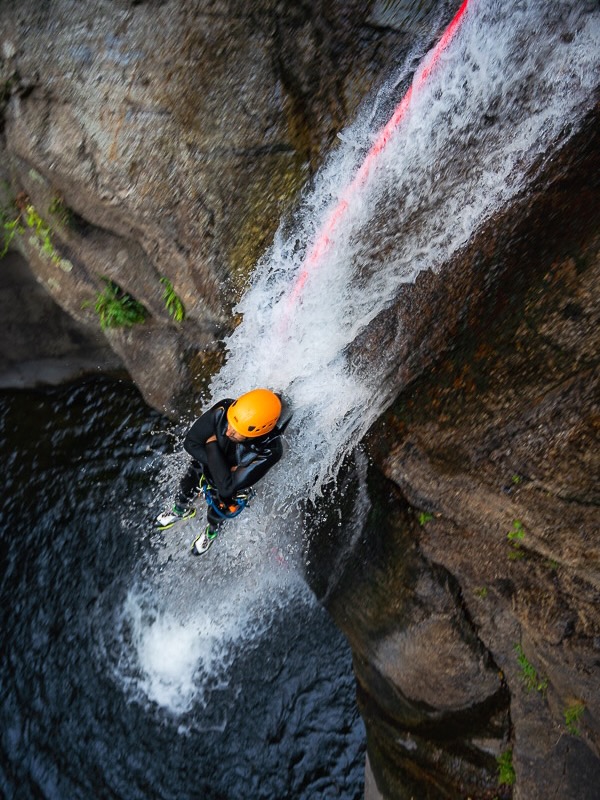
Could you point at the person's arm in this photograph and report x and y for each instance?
(227, 481)
(220, 471)
(246, 476)
(197, 436)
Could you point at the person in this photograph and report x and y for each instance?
(233, 445)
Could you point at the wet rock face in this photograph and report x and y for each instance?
(40, 343)
(434, 702)
(478, 626)
(166, 139)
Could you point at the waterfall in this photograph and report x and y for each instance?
(510, 87)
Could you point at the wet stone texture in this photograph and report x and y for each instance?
(167, 140)
(40, 343)
(472, 603)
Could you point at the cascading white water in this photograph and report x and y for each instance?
(514, 82)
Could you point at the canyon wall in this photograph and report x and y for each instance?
(472, 601)
(144, 142)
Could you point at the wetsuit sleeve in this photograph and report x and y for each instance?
(195, 441)
(220, 472)
(226, 482)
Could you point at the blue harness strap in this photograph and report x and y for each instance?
(241, 500)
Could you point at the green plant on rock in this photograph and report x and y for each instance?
(424, 517)
(517, 532)
(116, 308)
(28, 219)
(506, 771)
(41, 231)
(10, 228)
(515, 536)
(573, 714)
(172, 301)
(529, 674)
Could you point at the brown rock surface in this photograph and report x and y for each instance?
(472, 605)
(167, 139)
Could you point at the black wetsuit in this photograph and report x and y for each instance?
(253, 458)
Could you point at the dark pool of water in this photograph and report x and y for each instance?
(80, 475)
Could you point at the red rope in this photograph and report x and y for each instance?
(323, 241)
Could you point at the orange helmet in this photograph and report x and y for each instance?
(254, 413)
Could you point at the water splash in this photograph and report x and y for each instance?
(180, 630)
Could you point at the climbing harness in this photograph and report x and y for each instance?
(225, 510)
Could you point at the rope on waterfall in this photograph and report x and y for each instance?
(323, 240)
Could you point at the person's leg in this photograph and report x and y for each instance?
(213, 526)
(189, 487)
(214, 521)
